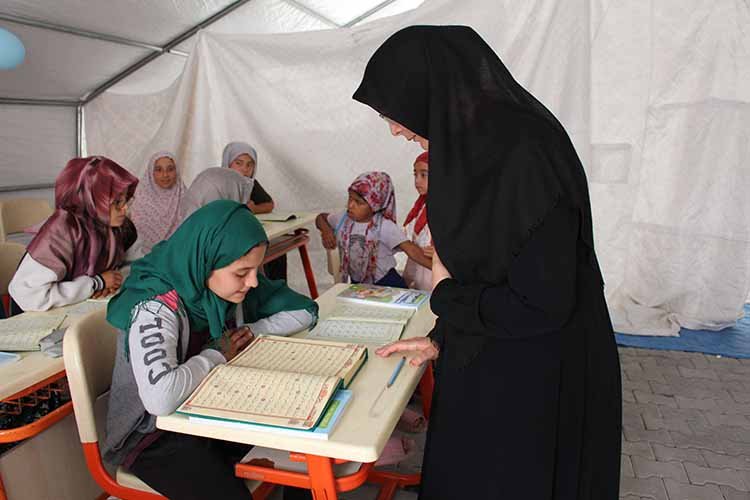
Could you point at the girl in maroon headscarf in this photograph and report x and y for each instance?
(76, 254)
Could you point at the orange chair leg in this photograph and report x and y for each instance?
(105, 481)
(2, 489)
(426, 386)
(308, 272)
(263, 491)
(322, 481)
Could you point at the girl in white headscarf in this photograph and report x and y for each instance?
(156, 207)
(243, 159)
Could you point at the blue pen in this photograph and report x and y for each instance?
(396, 371)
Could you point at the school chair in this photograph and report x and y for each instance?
(334, 264)
(89, 349)
(10, 256)
(17, 214)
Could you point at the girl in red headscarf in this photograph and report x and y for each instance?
(76, 254)
(418, 274)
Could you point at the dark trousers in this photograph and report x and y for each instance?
(391, 278)
(183, 467)
(276, 269)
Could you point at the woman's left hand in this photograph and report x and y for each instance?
(439, 271)
(423, 348)
(251, 205)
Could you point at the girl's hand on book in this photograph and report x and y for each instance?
(102, 294)
(421, 348)
(112, 279)
(234, 341)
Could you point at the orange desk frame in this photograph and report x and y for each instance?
(320, 478)
(38, 426)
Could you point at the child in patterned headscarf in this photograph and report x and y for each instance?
(366, 234)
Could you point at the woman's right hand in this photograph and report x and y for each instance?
(112, 280)
(423, 348)
(329, 238)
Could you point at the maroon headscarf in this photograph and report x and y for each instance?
(77, 239)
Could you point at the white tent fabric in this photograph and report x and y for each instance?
(669, 176)
(290, 96)
(26, 159)
(654, 95)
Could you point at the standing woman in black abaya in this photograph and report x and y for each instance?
(527, 401)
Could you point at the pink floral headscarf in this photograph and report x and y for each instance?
(155, 210)
(377, 190)
(77, 239)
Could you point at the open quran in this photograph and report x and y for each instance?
(277, 381)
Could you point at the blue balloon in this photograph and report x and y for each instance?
(12, 51)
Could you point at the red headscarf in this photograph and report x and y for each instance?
(419, 210)
(77, 239)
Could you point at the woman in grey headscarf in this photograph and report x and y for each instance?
(217, 184)
(243, 159)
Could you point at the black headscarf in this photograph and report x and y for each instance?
(499, 160)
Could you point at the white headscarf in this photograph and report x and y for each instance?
(217, 184)
(235, 149)
(155, 210)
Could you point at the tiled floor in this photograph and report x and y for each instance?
(686, 420)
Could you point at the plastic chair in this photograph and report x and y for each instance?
(10, 256)
(89, 349)
(17, 214)
(334, 264)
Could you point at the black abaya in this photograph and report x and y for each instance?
(527, 397)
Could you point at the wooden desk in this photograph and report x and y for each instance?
(286, 236)
(276, 229)
(361, 434)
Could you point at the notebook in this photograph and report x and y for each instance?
(277, 381)
(87, 306)
(323, 430)
(383, 296)
(26, 332)
(276, 217)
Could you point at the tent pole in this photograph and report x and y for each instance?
(11, 101)
(167, 48)
(367, 14)
(79, 131)
(35, 23)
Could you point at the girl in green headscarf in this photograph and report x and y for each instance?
(178, 317)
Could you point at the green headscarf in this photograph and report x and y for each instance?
(213, 237)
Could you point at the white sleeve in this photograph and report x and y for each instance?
(163, 383)
(36, 288)
(392, 235)
(283, 323)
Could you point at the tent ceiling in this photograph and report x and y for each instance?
(68, 66)
(54, 68)
(149, 21)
